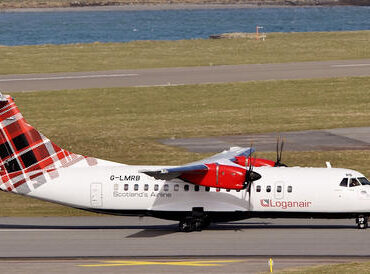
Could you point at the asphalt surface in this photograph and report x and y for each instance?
(308, 140)
(134, 236)
(164, 265)
(185, 75)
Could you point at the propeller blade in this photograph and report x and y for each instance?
(279, 151)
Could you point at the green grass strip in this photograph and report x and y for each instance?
(278, 48)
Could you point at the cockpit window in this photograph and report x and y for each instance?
(344, 182)
(364, 181)
(354, 182)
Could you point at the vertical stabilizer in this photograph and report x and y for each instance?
(27, 158)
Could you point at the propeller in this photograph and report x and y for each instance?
(279, 151)
(250, 175)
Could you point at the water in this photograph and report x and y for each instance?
(20, 28)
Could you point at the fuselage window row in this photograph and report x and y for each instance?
(176, 187)
(278, 189)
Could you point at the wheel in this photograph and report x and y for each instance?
(361, 226)
(362, 222)
(206, 223)
(185, 226)
(198, 225)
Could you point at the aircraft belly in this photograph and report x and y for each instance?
(207, 204)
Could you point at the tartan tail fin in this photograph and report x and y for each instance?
(27, 155)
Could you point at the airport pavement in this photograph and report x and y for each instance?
(165, 264)
(184, 75)
(69, 237)
(309, 140)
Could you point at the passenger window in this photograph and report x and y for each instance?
(136, 187)
(268, 189)
(258, 188)
(125, 187)
(166, 187)
(278, 189)
(146, 187)
(208, 188)
(354, 182)
(290, 189)
(344, 182)
(176, 188)
(186, 187)
(196, 188)
(156, 187)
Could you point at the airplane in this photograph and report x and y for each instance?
(224, 187)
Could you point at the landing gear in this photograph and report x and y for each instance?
(196, 222)
(362, 222)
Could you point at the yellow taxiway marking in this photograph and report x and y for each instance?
(175, 263)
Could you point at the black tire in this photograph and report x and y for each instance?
(184, 226)
(362, 222)
(361, 226)
(198, 225)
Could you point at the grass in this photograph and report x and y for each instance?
(356, 267)
(278, 48)
(124, 124)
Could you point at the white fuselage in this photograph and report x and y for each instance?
(124, 190)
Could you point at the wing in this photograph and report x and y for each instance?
(226, 155)
(195, 171)
(172, 173)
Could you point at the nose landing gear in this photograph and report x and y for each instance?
(362, 222)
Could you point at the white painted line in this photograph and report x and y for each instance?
(350, 65)
(68, 77)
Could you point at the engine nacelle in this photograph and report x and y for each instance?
(219, 176)
(257, 162)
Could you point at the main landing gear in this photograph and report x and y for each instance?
(196, 222)
(362, 222)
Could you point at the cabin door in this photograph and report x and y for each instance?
(96, 195)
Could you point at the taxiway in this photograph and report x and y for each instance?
(134, 236)
(184, 75)
(356, 138)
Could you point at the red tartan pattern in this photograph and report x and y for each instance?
(27, 158)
